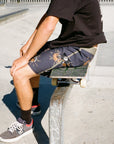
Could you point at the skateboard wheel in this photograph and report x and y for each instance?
(89, 65)
(83, 83)
(54, 82)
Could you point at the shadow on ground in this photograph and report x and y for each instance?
(45, 92)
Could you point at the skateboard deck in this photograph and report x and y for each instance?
(75, 73)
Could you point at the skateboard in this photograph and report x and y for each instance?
(70, 75)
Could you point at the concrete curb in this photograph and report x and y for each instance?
(12, 15)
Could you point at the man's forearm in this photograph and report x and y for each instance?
(42, 35)
(28, 43)
(33, 34)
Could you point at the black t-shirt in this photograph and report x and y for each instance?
(81, 23)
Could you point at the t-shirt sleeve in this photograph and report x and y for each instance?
(63, 9)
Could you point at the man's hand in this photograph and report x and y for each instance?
(24, 49)
(17, 64)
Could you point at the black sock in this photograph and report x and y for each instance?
(35, 96)
(26, 115)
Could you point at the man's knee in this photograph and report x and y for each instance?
(19, 75)
(24, 73)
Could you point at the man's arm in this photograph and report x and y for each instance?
(42, 35)
(33, 34)
(28, 43)
(44, 31)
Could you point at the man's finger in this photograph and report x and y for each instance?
(13, 73)
(12, 70)
(21, 53)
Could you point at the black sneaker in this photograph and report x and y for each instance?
(16, 131)
(35, 109)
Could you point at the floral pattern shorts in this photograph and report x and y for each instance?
(47, 58)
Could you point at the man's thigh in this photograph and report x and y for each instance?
(47, 60)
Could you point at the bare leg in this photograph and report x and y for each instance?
(23, 86)
(35, 86)
(24, 123)
(35, 81)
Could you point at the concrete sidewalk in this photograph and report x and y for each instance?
(8, 14)
(6, 10)
(89, 112)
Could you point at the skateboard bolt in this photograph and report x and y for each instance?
(65, 58)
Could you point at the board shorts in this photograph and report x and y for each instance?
(50, 58)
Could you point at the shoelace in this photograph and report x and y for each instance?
(16, 126)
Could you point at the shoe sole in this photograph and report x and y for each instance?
(17, 138)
